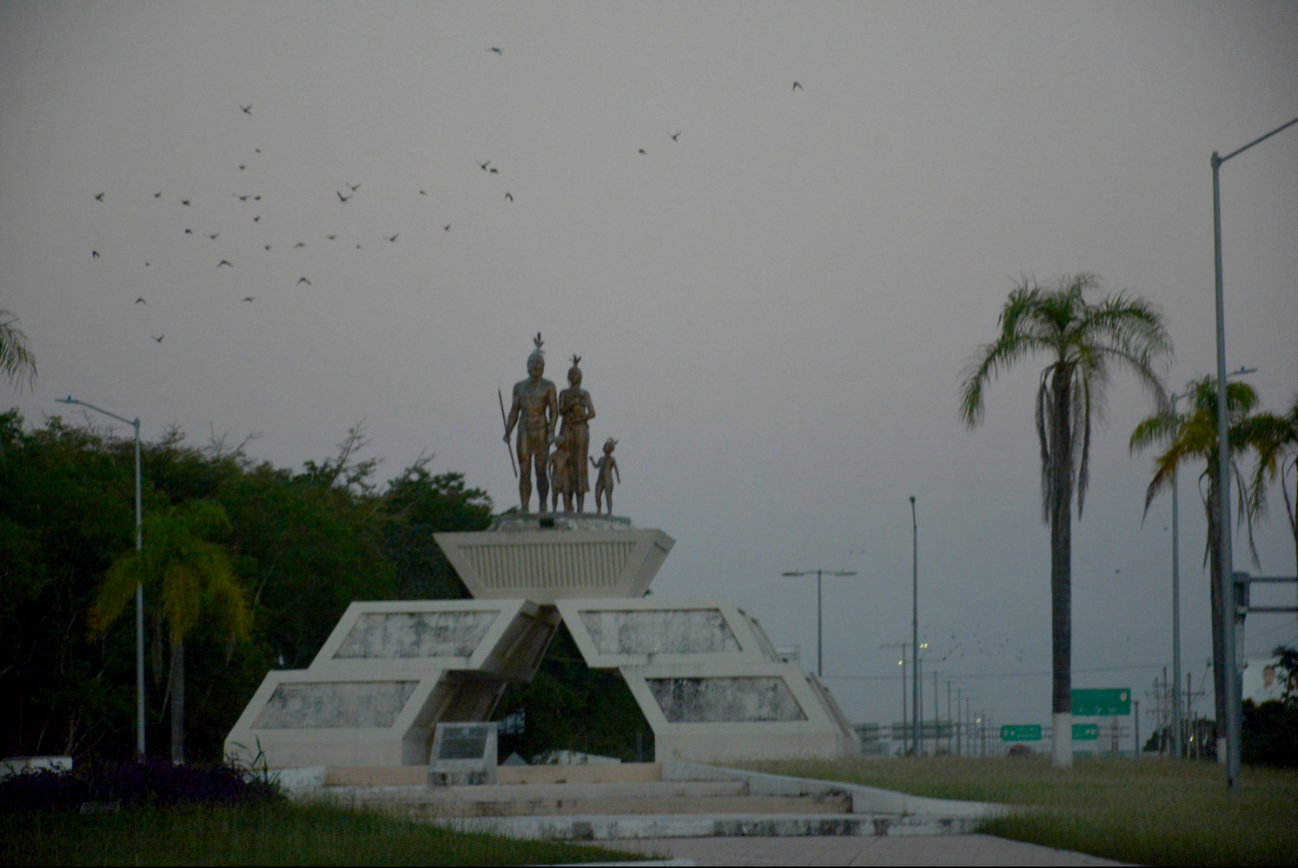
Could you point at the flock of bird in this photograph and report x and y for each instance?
(344, 195)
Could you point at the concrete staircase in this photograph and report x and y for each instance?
(646, 800)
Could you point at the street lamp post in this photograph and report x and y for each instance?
(1226, 585)
(820, 612)
(914, 623)
(139, 588)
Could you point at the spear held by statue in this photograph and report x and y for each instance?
(505, 419)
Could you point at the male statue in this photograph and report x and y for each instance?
(537, 403)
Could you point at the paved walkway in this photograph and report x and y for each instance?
(902, 850)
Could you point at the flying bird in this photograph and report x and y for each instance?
(495, 171)
(353, 187)
(642, 150)
(158, 338)
(482, 165)
(157, 195)
(242, 198)
(140, 301)
(332, 237)
(224, 262)
(423, 192)
(302, 280)
(497, 50)
(99, 197)
(213, 235)
(242, 166)
(257, 219)
(147, 264)
(185, 202)
(675, 137)
(447, 227)
(94, 254)
(256, 198)
(247, 109)
(189, 231)
(247, 298)
(299, 244)
(392, 238)
(341, 196)
(797, 86)
(509, 196)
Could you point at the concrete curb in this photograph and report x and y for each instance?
(865, 800)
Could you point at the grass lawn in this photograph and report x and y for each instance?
(274, 834)
(1151, 812)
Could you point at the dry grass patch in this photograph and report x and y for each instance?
(1150, 812)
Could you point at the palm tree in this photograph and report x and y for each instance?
(187, 574)
(16, 360)
(1191, 437)
(1085, 343)
(1276, 440)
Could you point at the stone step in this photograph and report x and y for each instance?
(612, 828)
(644, 798)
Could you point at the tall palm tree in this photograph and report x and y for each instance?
(189, 576)
(16, 361)
(1191, 436)
(1085, 343)
(1276, 440)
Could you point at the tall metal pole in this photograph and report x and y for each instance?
(139, 587)
(914, 623)
(1226, 583)
(820, 654)
(1176, 614)
(139, 603)
(820, 624)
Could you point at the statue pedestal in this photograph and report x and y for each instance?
(703, 672)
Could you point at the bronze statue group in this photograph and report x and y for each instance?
(535, 410)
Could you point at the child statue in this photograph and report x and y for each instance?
(607, 467)
(561, 474)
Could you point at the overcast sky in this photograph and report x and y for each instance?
(772, 308)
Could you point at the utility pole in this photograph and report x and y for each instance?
(914, 624)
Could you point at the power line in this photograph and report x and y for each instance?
(959, 677)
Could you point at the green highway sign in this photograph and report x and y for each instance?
(1102, 703)
(1086, 731)
(1027, 732)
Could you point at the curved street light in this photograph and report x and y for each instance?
(1226, 582)
(139, 588)
(819, 609)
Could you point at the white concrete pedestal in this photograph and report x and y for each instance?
(703, 672)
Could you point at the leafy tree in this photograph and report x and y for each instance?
(188, 575)
(569, 706)
(416, 505)
(66, 509)
(16, 359)
(1085, 343)
(1276, 440)
(1191, 436)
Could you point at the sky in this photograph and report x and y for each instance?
(773, 288)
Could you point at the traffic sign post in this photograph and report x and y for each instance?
(1028, 732)
(1102, 703)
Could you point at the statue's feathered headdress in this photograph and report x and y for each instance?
(537, 353)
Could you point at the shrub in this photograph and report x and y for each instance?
(152, 782)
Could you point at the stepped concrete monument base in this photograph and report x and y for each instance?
(704, 673)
